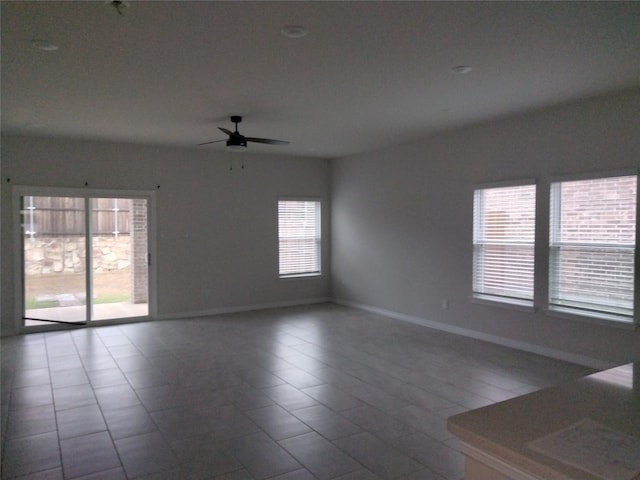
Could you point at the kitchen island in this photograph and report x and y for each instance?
(587, 429)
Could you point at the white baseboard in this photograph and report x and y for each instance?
(241, 308)
(202, 313)
(7, 332)
(466, 332)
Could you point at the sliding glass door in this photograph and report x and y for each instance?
(119, 253)
(55, 267)
(84, 258)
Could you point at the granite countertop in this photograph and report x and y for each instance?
(604, 403)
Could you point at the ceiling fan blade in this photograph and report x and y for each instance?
(266, 140)
(207, 143)
(225, 130)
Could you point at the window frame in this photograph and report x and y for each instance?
(317, 238)
(572, 312)
(542, 252)
(524, 304)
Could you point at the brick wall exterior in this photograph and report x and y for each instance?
(139, 251)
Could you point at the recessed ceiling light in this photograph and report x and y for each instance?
(294, 31)
(43, 45)
(461, 69)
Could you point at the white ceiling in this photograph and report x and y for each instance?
(368, 74)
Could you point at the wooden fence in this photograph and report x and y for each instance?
(65, 216)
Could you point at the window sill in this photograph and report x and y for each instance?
(520, 305)
(603, 319)
(300, 275)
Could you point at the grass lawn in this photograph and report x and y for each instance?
(108, 287)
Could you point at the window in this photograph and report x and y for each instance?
(592, 247)
(299, 237)
(503, 243)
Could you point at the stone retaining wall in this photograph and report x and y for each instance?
(57, 255)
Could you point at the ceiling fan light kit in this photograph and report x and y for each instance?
(232, 146)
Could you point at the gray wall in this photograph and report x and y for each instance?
(216, 229)
(402, 222)
(400, 219)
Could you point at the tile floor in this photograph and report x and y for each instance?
(319, 392)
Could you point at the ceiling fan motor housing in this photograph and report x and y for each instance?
(236, 143)
(237, 140)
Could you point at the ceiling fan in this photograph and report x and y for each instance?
(238, 142)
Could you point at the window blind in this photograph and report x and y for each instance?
(592, 246)
(299, 237)
(503, 238)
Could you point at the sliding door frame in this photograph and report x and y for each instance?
(20, 191)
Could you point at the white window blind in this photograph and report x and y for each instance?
(503, 241)
(592, 246)
(299, 237)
